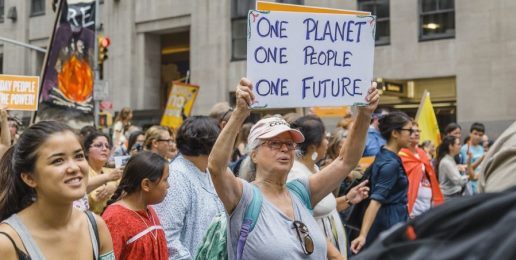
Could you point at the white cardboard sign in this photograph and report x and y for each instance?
(308, 59)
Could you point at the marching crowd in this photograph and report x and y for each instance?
(221, 187)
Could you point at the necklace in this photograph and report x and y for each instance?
(154, 233)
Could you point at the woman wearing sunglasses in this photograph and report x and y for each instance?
(285, 228)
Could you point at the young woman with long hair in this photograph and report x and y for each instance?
(41, 176)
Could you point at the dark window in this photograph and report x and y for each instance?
(436, 19)
(380, 8)
(2, 10)
(37, 7)
(1, 63)
(239, 9)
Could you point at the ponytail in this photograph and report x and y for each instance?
(15, 195)
(116, 196)
(443, 150)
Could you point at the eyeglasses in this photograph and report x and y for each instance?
(101, 145)
(411, 131)
(304, 237)
(166, 140)
(277, 145)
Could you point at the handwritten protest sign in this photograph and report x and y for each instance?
(19, 92)
(306, 59)
(180, 102)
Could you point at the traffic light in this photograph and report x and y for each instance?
(104, 43)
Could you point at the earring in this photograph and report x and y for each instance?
(314, 156)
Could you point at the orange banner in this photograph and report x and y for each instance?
(271, 6)
(330, 111)
(19, 92)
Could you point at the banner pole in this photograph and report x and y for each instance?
(96, 104)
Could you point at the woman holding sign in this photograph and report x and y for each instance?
(285, 227)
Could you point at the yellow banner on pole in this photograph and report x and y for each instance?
(19, 92)
(427, 121)
(179, 106)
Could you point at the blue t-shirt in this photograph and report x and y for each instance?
(476, 151)
(374, 142)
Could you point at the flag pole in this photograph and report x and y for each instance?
(425, 93)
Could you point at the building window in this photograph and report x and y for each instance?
(380, 8)
(2, 10)
(1, 63)
(436, 19)
(239, 9)
(37, 7)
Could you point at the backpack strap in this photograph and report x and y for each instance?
(93, 223)
(299, 189)
(251, 215)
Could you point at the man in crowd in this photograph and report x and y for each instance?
(374, 139)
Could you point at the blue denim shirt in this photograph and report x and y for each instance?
(389, 186)
(188, 209)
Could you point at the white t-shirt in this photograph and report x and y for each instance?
(424, 194)
(325, 212)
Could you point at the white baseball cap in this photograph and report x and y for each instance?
(271, 127)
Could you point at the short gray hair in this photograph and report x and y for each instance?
(248, 167)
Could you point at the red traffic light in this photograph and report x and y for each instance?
(104, 41)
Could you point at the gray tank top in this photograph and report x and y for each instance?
(32, 249)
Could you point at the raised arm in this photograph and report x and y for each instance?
(228, 187)
(330, 177)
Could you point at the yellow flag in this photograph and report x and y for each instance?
(427, 121)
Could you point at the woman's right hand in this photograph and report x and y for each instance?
(115, 174)
(357, 244)
(244, 96)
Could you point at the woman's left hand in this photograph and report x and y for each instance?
(373, 97)
(358, 193)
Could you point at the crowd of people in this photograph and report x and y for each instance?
(302, 181)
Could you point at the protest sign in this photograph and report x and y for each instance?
(121, 161)
(179, 106)
(19, 92)
(307, 59)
